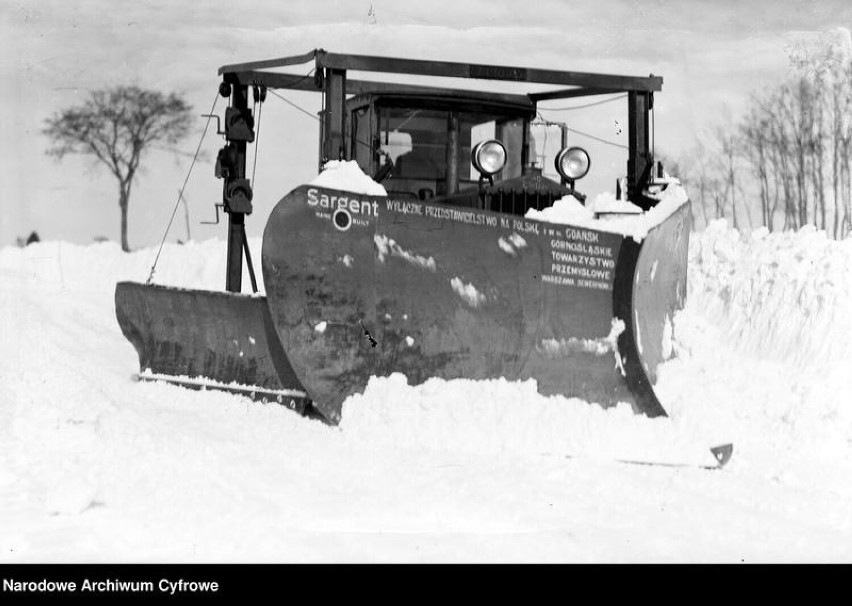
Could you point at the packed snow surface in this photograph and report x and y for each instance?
(96, 467)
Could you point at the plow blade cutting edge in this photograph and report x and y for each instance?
(360, 286)
(206, 339)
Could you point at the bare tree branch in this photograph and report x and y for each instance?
(117, 126)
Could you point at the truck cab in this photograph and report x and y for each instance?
(420, 147)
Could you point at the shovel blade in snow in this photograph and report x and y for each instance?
(361, 286)
(205, 339)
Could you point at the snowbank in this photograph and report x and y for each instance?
(499, 417)
(764, 345)
(785, 296)
(96, 467)
(62, 266)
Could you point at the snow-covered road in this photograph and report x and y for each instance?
(95, 467)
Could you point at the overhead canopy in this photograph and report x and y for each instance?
(572, 84)
(331, 77)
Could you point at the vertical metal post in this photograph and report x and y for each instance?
(452, 172)
(236, 220)
(335, 105)
(639, 154)
(234, 279)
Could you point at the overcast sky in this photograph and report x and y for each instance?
(711, 54)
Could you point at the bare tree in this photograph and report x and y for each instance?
(840, 112)
(117, 126)
(796, 142)
(754, 139)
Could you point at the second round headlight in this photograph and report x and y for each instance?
(573, 163)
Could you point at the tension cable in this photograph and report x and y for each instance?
(544, 121)
(183, 187)
(573, 107)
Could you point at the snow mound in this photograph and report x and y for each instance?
(97, 267)
(568, 210)
(764, 344)
(501, 418)
(606, 202)
(348, 176)
(565, 210)
(786, 295)
(486, 469)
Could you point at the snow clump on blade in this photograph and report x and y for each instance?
(568, 211)
(348, 176)
(468, 292)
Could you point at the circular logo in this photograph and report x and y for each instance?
(342, 219)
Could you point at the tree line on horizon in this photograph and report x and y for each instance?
(787, 162)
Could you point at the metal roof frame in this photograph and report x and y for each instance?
(330, 77)
(580, 83)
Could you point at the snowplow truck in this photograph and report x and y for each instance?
(441, 271)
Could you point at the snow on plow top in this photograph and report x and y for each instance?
(568, 210)
(625, 218)
(348, 176)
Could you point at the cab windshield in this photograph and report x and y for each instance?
(430, 148)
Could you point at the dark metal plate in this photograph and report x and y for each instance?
(360, 286)
(224, 337)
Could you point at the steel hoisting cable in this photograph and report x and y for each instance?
(572, 107)
(308, 113)
(578, 132)
(547, 122)
(256, 144)
(183, 187)
(294, 85)
(301, 109)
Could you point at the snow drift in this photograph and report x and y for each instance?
(94, 466)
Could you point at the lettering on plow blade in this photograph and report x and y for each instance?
(408, 304)
(349, 203)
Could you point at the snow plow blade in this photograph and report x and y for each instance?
(360, 286)
(203, 339)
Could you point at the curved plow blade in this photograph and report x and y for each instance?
(360, 286)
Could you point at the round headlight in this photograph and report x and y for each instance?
(573, 163)
(488, 157)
